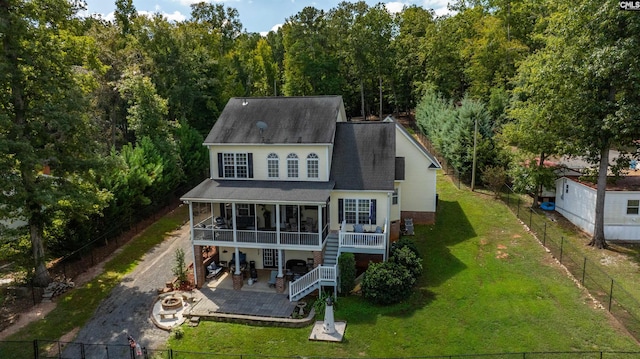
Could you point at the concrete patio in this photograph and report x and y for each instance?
(257, 304)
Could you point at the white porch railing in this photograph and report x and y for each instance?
(313, 279)
(220, 236)
(366, 240)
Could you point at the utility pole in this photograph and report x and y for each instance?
(475, 142)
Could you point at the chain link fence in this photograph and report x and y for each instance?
(21, 297)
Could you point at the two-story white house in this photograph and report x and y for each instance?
(292, 181)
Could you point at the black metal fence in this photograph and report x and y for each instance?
(38, 349)
(610, 293)
(24, 296)
(448, 169)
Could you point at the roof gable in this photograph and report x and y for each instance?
(364, 156)
(285, 120)
(405, 134)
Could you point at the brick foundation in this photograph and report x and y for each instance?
(420, 217)
(394, 231)
(200, 267)
(317, 258)
(280, 284)
(238, 281)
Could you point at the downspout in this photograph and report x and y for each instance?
(386, 232)
(235, 238)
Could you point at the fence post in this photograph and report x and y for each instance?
(83, 354)
(531, 218)
(170, 353)
(611, 295)
(544, 235)
(35, 349)
(518, 211)
(561, 247)
(584, 269)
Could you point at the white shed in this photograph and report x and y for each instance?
(576, 201)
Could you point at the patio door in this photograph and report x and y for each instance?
(270, 258)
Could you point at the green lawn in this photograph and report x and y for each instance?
(488, 287)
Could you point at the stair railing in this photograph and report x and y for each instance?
(312, 279)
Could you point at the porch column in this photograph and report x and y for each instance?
(198, 266)
(238, 279)
(236, 255)
(280, 277)
(320, 225)
(278, 224)
(198, 270)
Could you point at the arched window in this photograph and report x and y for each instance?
(313, 166)
(292, 165)
(273, 165)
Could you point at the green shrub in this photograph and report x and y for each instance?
(179, 267)
(177, 332)
(347, 270)
(387, 283)
(408, 259)
(404, 242)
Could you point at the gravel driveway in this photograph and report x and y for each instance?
(127, 309)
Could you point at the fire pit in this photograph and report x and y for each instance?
(171, 302)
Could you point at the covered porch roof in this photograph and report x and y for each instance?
(239, 191)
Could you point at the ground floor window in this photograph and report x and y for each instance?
(633, 206)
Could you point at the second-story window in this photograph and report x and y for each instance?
(313, 166)
(292, 165)
(273, 164)
(235, 165)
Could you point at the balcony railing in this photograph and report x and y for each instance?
(221, 236)
(364, 240)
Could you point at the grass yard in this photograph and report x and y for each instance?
(488, 287)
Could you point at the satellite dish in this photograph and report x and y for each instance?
(261, 125)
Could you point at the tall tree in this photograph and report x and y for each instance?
(43, 119)
(589, 71)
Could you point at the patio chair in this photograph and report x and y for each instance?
(272, 279)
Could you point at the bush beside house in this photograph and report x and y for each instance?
(391, 282)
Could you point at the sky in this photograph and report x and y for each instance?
(255, 15)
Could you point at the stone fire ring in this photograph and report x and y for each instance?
(171, 302)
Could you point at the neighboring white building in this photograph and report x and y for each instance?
(292, 181)
(576, 201)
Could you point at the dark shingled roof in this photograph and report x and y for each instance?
(266, 191)
(288, 120)
(364, 156)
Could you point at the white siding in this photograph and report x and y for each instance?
(260, 153)
(577, 202)
(418, 190)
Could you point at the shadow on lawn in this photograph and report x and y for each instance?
(452, 227)
(433, 241)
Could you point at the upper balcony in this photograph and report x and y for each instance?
(305, 236)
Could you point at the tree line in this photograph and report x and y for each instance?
(99, 119)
